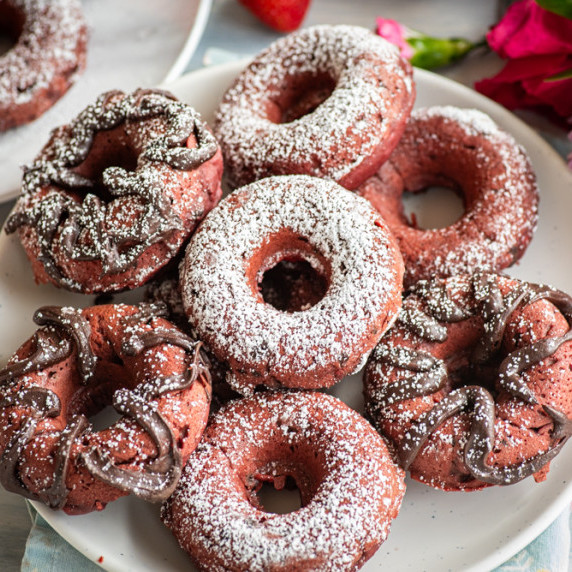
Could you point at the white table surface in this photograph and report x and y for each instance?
(231, 27)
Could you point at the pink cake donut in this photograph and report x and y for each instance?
(50, 45)
(291, 218)
(350, 488)
(462, 149)
(328, 101)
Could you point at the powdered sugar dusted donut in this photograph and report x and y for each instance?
(462, 149)
(329, 101)
(473, 384)
(293, 218)
(51, 39)
(76, 364)
(349, 486)
(114, 195)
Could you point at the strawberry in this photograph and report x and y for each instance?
(281, 15)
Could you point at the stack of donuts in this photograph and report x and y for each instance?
(305, 272)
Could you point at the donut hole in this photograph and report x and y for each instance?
(293, 285)
(483, 375)
(105, 418)
(279, 495)
(289, 274)
(11, 26)
(433, 207)
(303, 95)
(109, 149)
(463, 366)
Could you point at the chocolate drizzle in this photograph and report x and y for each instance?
(430, 304)
(41, 403)
(158, 478)
(428, 374)
(51, 345)
(49, 349)
(71, 322)
(81, 228)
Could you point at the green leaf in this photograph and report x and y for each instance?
(566, 74)
(560, 7)
(437, 52)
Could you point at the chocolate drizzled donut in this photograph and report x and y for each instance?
(89, 227)
(471, 346)
(61, 376)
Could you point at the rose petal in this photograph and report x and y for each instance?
(534, 66)
(556, 94)
(527, 29)
(522, 84)
(395, 33)
(511, 94)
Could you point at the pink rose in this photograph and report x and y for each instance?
(421, 50)
(538, 45)
(395, 33)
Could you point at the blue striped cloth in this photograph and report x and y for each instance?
(49, 552)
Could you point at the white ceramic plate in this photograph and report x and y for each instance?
(434, 530)
(132, 43)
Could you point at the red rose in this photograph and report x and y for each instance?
(538, 45)
(529, 30)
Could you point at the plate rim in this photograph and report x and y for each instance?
(197, 30)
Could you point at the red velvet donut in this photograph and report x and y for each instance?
(295, 219)
(473, 384)
(79, 362)
(328, 101)
(49, 51)
(350, 488)
(90, 227)
(462, 149)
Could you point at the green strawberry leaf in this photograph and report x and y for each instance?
(560, 7)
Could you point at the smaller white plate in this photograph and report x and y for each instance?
(132, 43)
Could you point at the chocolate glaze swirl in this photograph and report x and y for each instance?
(59, 212)
(431, 304)
(65, 329)
(158, 478)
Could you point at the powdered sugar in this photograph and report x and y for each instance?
(54, 31)
(372, 85)
(473, 121)
(254, 337)
(349, 513)
(462, 149)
